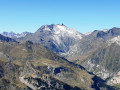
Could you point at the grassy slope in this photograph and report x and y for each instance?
(37, 55)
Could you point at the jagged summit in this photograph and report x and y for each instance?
(52, 27)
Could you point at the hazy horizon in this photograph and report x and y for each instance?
(55, 24)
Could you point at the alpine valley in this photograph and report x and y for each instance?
(56, 57)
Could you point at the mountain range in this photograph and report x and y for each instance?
(15, 35)
(65, 56)
(29, 65)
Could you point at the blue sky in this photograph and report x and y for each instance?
(82, 15)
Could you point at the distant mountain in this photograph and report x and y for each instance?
(15, 35)
(94, 40)
(57, 38)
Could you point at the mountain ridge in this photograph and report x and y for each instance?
(31, 65)
(15, 35)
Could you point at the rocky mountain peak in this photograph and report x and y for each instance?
(52, 27)
(58, 29)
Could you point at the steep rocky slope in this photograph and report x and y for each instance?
(28, 65)
(6, 39)
(103, 58)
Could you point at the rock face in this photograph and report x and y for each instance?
(36, 80)
(28, 65)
